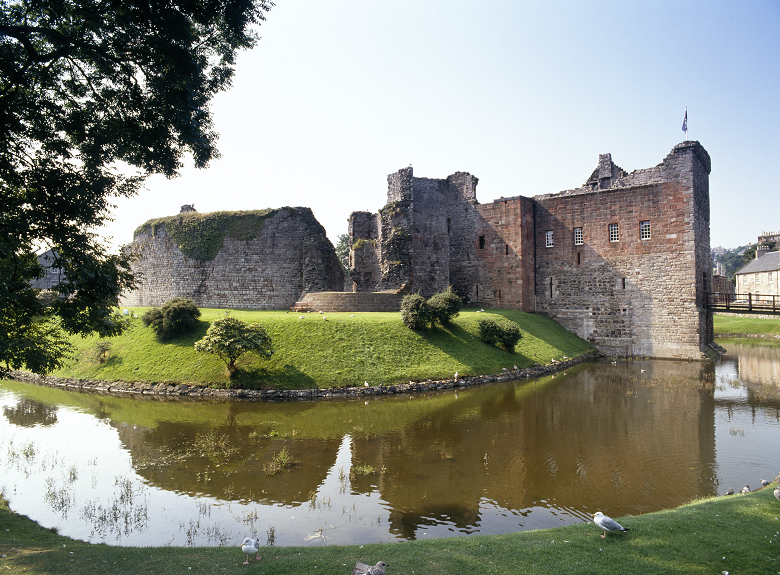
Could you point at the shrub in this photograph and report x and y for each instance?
(444, 306)
(503, 331)
(177, 317)
(415, 312)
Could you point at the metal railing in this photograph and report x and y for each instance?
(742, 303)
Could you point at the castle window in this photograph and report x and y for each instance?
(614, 233)
(769, 278)
(578, 237)
(506, 249)
(644, 230)
(482, 242)
(548, 239)
(578, 258)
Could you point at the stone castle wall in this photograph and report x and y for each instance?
(289, 256)
(634, 295)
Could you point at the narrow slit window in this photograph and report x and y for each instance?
(506, 249)
(548, 239)
(578, 258)
(578, 237)
(614, 233)
(644, 230)
(482, 242)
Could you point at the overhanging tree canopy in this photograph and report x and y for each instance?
(88, 87)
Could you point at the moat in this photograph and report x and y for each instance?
(627, 438)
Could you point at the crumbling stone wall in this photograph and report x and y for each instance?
(633, 294)
(288, 255)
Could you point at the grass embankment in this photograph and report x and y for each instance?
(737, 324)
(738, 534)
(343, 350)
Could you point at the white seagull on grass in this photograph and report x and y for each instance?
(607, 523)
(363, 569)
(250, 547)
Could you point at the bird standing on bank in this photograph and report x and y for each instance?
(745, 489)
(363, 569)
(777, 493)
(250, 547)
(607, 523)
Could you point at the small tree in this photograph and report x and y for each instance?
(176, 317)
(444, 306)
(415, 312)
(230, 338)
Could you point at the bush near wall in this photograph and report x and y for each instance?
(505, 332)
(177, 317)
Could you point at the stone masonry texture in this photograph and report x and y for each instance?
(637, 291)
(290, 256)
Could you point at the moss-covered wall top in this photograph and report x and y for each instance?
(200, 236)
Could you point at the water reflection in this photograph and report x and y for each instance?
(627, 439)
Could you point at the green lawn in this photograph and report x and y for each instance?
(737, 534)
(725, 323)
(330, 350)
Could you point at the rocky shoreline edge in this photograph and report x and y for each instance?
(143, 389)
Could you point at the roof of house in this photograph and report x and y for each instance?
(767, 263)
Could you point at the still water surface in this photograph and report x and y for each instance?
(625, 439)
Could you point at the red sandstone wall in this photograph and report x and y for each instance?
(507, 226)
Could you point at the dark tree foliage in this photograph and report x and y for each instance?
(177, 317)
(503, 331)
(415, 312)
(444, 306)
(89, 88)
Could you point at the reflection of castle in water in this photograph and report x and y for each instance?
(539, 452)
(566, 445)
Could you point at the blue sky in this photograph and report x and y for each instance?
(525, 95)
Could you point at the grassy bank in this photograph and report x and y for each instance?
(738, 534)
(724, 323)
(334, 350)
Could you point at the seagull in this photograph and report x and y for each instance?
(504, 369)
(643, 371)
(745, 489)
(516, 368)
(323, 317)
(250, 547)
(456, 376)
(365, 384)
(565, 357)
(363, 569)
(607, 523)
(301, 317)
(480, 309)
(777, 493)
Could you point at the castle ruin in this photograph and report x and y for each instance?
(622, 261)
(262, 259)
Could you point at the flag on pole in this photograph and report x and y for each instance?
(685, 122)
